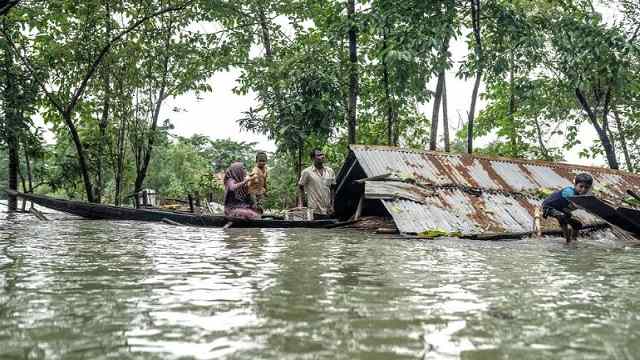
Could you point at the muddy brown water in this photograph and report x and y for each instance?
(78, 289)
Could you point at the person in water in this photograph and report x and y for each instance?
(258, 186)
(558, 206)
(318, 183)
(238, 203)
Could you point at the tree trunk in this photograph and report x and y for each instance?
(543, 148)
(27, 161)
(142, 170)
(104, 120)
(511, 113)
(24, 186)
(600, 129)
(299, 160)
(433, 136)
(299, 197)
(353, 73)
(11, 126)
(445, 117)
(82, 160)
(475, 14)
(387, 91)
(146, 159)
(101, 146)
(14, 165)
(266, 38)
(396, 128)
(471, 113)
(623, 141)
(120, 160)
(435, 118)
(388, 105)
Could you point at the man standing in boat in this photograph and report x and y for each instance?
(558, 206)
(317, 184)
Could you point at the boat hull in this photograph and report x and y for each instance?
(109, 212)
(626, 219)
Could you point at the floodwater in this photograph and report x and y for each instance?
(78, 289)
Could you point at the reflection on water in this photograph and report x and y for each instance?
(77, 289)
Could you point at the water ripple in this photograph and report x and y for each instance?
(77, 289)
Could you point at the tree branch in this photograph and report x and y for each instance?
(635, 34)
(7, 5)
(605, 110)
(586, 107)
(92, 69)
(32, 72)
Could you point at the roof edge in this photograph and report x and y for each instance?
(563, 165)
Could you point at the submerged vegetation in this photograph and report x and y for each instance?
(325, 73)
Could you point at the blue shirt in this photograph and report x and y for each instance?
(568, 192)
(559, 200)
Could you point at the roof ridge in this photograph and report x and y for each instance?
(490, 158)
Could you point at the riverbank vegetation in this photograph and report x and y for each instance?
(325, 73)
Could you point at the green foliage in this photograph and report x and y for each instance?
(182, 168)
(282, 182)
(537, 56)
(300, 95)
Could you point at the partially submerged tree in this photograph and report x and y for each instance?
(71, 67)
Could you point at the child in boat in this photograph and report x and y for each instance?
(238, 203)
(258, 186)
(557, 205)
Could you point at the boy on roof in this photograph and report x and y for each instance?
(557, 205)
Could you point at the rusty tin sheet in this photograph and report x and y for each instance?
(506, 203)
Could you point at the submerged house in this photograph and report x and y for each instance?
(472, 196)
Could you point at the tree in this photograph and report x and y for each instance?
(513, 44)
(299, 92)
(18, 96)
(353, 72)
(10, 125)
(475, 20)
(449, 16)
(71, 67)
(591, 59)
(184, 65)
(311, 92)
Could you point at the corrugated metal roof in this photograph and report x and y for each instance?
(506, 202)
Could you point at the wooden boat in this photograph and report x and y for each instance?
(627, 219)
(109, 212)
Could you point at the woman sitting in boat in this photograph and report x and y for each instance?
(238, 203)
